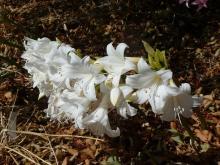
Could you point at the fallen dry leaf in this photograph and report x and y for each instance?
(218, 128)
(9, 96)
(87, 152)
(173, 125)
(65, 161)
(87, 162)
(73, 152)
(203, 135)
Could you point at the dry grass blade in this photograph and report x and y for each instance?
(42, 135)
(12, 124)
(12, 118)
(21, 154)
(13, 158)
(26, 150)
(52, 149)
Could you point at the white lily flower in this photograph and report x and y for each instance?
(171, 102)
(85, 75)
(147, 80)
(43, 60)
(115, 63)
(98, 123)
(67, 105)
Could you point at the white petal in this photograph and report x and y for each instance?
(126, 90)
(85, 59)
(116, 80)
(112, 64)
(110, 50)
(98, 123)
(120, 49)
(125, 109)
(139, 81)
(167, 90)
(157, 98)
(41, 94)
(197, 101)
(122, 111)
(104, 89)
(185, 87)
(185, 102)
(115, 96)
(168, 113)
(176, 101)
(128, 66)
(89, 89)
(65, 49)
(74, 58)
(142, 66)
(131, 111)
(142, 96)
(165, 75)
(99, 78)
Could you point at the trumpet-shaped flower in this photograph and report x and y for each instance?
(98, 122)
(43, 59)
(171, 102)
(115, 63)
(147, 81)
(85, 76)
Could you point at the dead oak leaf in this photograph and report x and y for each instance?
(204, 135)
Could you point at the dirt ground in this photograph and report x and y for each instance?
(191, 40)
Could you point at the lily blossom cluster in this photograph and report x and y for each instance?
(199, 3)
(85, 90)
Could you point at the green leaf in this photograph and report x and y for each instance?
(113, 160)
(173, 131)
(156, 59)
(177, 139)
(148, 48)
(205, 147)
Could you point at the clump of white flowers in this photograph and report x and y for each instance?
(84, 90)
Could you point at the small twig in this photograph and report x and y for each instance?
(51, 135)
